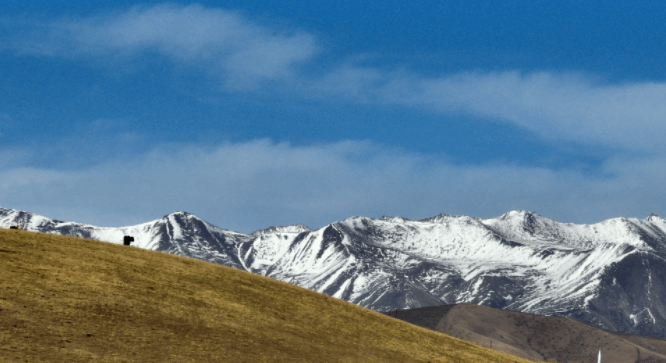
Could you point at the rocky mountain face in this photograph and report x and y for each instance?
(177, 233)
(610, 274)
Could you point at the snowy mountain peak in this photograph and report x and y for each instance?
(292, 228)
(181, 214)
(357, 220)
(516, 214)
(436, 219)
(397, 219)
(654, 218)
(27, 221)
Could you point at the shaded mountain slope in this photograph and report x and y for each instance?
(65, 299)
(535, 337)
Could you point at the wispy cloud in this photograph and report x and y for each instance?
(246, 186)
(244, 54)
(223, 42)
(556, 106)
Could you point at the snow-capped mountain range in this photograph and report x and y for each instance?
(610, 274)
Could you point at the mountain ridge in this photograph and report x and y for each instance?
(609, 274)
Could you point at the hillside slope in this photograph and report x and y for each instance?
(65, 299)
(539, 338)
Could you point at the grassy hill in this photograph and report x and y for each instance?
(65, 299)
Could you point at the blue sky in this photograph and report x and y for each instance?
(250, 114)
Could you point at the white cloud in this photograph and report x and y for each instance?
(252, 185)
(222, 42)
(244, 54)
(556, 106)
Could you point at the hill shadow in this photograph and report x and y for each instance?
(534, 337)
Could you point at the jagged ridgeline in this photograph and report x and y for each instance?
(610, 274)
(66, 299)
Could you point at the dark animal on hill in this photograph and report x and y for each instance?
(127, 240)
(15, 227)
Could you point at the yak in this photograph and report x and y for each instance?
(15, 227)
(127, 240)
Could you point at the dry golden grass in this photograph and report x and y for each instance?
(65, 299)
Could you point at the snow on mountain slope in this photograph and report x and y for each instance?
(528, 227)
(296, 228)
(610, 274)
(178, 233)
